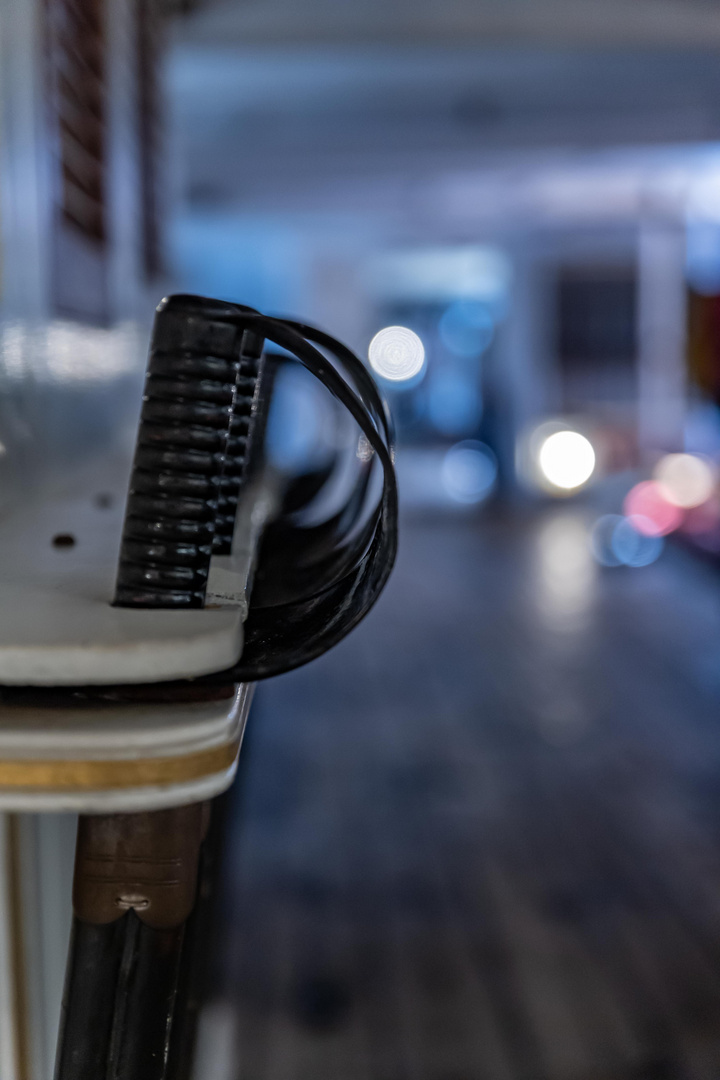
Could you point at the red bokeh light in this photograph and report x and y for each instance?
(657, 516)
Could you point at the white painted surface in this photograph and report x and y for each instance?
(126, 732)
(59, 637)
(45, 857)
(130, 732)
(57, 626)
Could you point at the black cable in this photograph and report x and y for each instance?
(313, 583)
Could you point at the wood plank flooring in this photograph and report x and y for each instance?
(480, 840)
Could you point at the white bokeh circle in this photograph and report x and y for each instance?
(396, 353)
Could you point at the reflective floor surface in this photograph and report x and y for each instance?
(481, 838)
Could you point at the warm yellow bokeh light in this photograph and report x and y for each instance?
(686, 480)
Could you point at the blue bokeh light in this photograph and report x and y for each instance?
(466, 328)
(469, 471)
(615, 541)
(634, 548)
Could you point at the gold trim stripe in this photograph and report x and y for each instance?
(105, 775)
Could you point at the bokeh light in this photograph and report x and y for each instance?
(566, 460)
(686, 479)
(633, 544)
(624, 541)
(469, 471)
(656, 515)
(702, 519)
(601, 539)
(466, 328)
(396, 353)
(566, 576)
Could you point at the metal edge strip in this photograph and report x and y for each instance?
(18, 960)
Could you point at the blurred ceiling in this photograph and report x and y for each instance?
(415, 109)
(366, 128)
(466, 22)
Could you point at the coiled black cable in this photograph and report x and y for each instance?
(284, 636)
(326, 577)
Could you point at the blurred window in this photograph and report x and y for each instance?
(596, 316)
(596, 334)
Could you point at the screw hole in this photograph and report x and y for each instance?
(139, 903)
(104, 500)
(63, 540)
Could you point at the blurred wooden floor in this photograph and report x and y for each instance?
(481, 839)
